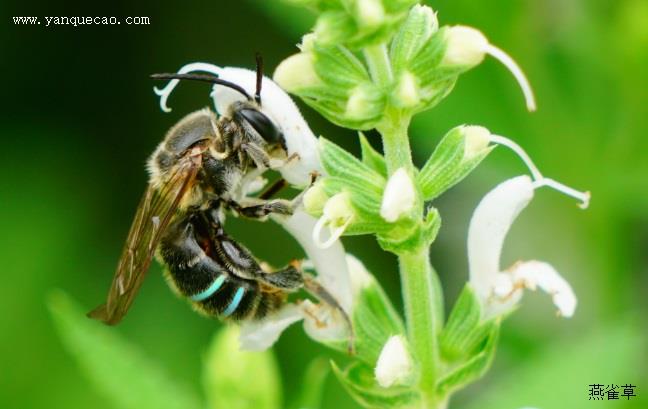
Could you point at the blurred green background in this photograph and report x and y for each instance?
(78, 118)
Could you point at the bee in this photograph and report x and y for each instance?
(195, 174)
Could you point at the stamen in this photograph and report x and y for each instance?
(501, 140)
(517, 72)
(165, 92)
(584, 197)
(335, 234)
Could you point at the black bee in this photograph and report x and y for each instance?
(194, 176)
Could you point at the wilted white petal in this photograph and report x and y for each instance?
(261, 335)
(394, 366)
(323, 322)
(279, 107)
(489, 225)
(535, 273)
(399, 196)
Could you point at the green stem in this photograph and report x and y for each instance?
(396, 145)
(422, 324)
(422, 293)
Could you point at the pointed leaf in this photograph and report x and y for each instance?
(119, 370)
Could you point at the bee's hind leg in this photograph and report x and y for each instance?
(287, 279)
(317, 290)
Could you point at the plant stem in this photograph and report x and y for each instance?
(422, 293)
(422, 324)
(396, 145)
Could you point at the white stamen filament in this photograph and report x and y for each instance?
(334, 233)
(517, 72)
(539, 180)
(584, 197)
(165, 92)
(501, 140)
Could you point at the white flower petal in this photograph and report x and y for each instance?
(399, 196)
(261, 335)
(323, 322)
(394, 366)
(543, 275)
(278, 106)
(488, 227)
(330, 263)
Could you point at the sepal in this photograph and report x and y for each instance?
(457, 154)
(360, 383)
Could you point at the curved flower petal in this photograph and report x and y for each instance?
(261, 335)
(532, 274)
(489, 225)
(278, 106)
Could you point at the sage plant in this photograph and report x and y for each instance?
(374, 64)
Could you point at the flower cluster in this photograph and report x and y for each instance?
(373, 64)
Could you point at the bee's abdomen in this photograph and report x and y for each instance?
(209, 286)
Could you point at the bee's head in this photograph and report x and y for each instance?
(257, 123)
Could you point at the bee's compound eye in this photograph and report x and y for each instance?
(262, 124)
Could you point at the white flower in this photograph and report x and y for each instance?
(399, 196)
(338, 213)
(467, 46)
(394, 366)
(498, 290)
(337, 272)
(275, 103)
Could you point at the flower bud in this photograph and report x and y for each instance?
(394, 366)
(315, 199)
(338, 213)
(399, 197)
(458, 153)
(477, 139)
(406, 94)
(297, 72)
(369, 13)
(466, 46)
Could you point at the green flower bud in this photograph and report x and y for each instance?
(314, 199)
(458, 153)
(296, 73)
(406, 93)
(466, 47)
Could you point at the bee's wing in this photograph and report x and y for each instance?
(154, 213)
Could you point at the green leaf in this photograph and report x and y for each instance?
(312, 385)
(359, 381)
(471, 369)
(236, 379)
(371, 157)
(340, 163)
(118, 369)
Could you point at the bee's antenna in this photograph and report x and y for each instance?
(205, 78)
(259, 77)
